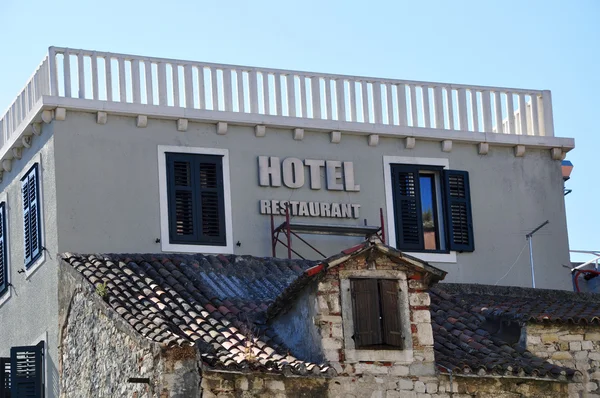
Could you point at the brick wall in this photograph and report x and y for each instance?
(574, 346)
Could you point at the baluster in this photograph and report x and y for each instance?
(253, 83)
(426, 107)
(201, 88)
(67, 72)
(413, 105)
(215, 88)
(176, 99)
(328, 96)
(149, 88)
(547, 116)
(365, 102)
(475, 110)
(122, 87)
(81, 74)
(108, 68)
(402, 114)
(340, 88)
(266, 93)
(390, 103)
(162, 84)
(439, 108)
(498, 109)
(304, 99)
(316, 96)
(353, 115)
(189, 86)
(463, 118)
(278, 95)
(535, 115)
(291, 92)
(377, 103)
(52, 72)
(450, 104)
(227, 90)
(135, 81)
(510, 113)
(487, 111)
(240, 87)
(522, 114)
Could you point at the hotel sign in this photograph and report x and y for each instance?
(291, 173)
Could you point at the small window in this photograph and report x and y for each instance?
(196, 199)
(432, 209)
(376, 314)
(32, 235)
(3, 251)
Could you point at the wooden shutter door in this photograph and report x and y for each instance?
(390, 313)
(210, 192)
(407, 207)
(3, 265)
(4, 377)
(458, 211)
(27, 371)
(366, 312)
(182, 207)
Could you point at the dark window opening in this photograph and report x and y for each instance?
(432, 209)
(506, 330)
(196, 199)
(3, 251)
(376, 314)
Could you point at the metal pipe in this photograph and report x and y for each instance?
(530, 238)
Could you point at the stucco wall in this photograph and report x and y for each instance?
(30, 313)
(573, 346)
(109, 196)
(100, 352)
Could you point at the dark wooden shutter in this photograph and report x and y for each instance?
(390, 313)
(196, 199)
(3, 251)
(31, 216)
(407, 207)
(27, 371)
(366, 312)
(4, 377)
(458, 210)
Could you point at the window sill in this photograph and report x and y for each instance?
(399, 356)
(36, 264)
(179, 248)
(434, 257)
(4, 298)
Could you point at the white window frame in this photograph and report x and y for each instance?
(42, 259)
(6, 296)
(353, 354)
(388, 161)
(166, 245)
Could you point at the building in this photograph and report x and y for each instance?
(114, 153)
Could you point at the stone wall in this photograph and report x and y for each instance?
(100, 352)
(573, 346)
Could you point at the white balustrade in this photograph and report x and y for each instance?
(160, 82)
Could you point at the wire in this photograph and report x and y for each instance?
(512, 266)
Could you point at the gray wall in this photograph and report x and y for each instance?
(32, 309)
(108, 195)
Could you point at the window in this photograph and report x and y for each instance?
(3, 251)
(195, 199)
(22, 375)
(31, 216)
(376, 314)
(432, 208)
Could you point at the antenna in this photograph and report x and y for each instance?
(529, 237)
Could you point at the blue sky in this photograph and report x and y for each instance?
(533, 44)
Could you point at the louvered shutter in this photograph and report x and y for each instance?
(458, 210)
(31, 216)
(407, 207)
(366, 312)
(390, 313)
(4, 377)
(27, 371)
(196, 199)
(3, 251)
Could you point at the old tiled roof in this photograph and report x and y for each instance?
(463, 345)
(527, 304)
(216, 302)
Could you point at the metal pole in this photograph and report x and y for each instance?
(530, 238)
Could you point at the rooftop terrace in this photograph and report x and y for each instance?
(165, 88)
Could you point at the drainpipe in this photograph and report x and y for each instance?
(451, 383)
